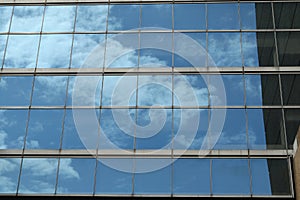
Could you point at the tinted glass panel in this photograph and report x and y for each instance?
(292, 123)
(5, 14)
(270, 90)
(266, 49)
(9, 172)
(27, 19)
(189, 16)
(157, 16)
(287, 15)
(124, 17)
(291, 89)
(288, 48)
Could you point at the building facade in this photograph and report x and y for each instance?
(149, 98)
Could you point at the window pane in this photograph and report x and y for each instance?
(12, 128)
(27, 19)
(76, 176)
(154, 129)
(2, 47)
(292, 123)
(44, 129)
(21, 51)
(49, 90)
(9, 173)
(38, 175)
(288, 48)
(150, 86)
(230, 176)
(191, 176)
(290, 89)
(5, 14)
(112, 181)
(225, 49)
(55, 51)
(59, 18)
(152, 182)
(16, 90)
(270, 177)
(117, 91)
(116, 132)
(287, 15)
(189, 16)
(233, 135)
(83, 46)
(124, 17)
(270, 90)
(253, 90)
(250, 47)
(223, 16)
(91, 18)
(157, 16)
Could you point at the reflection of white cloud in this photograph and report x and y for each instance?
(36, 127)
(66, 170)
(3, 136)
(3, 83)
(7, 168)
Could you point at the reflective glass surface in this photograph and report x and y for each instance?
(290, 89)
(2, 47)
(288, 48)
(292, 122)
(253, 85)
(161, 19)
(9, 172)
(189, 16)
(287, 15)
(5, 14)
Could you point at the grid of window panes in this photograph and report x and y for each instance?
(262, 106)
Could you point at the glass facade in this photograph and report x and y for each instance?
(184, 99)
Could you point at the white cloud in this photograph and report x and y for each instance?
(66, 170)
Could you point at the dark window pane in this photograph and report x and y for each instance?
(27, 19)
(16, 90)
(270, 177)
(91, 18)
(157, 16)
(230, 176)
(223, 16)
(5, 14)
(12, 128)
(270, 90)
(9, 173)
(55, 51)
(124, 17)
(225, 49)
(113, 181)
(291, 89)
(21, 51)
(292, 123)
(76, 176)
(152, 181)
(59, 18)
(44, 129)
(288, 48)
(287, 15)
(191, 176)
(189, 16)
(38, 175)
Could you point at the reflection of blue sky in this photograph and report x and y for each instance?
(124, 17)
(91, 18)
(253, 90)
(2, 47)
(256, 129)
(260, 179)
(9, 172)
(250, 49)
(248, 15)
(5, 14)
(189, 16)
(161, 19)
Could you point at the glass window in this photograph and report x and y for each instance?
(287, 15)
(38, 176)
(225, 49)
(150, 56)
(152, 181)
(12, 128)
(155, 90)
(288, 48)
(27, 19)
(270, 90)
(44, 129)
(117, 128)
(123, 17)
(253, 85)
(292, 123)
(250, 48)
(5, 15)
(157, 16)
(189, 16)
(16, 90)
(190, 90)
(49, 90)
(121, 50)
(223, 16)
(55, 51)
(59, 19)
(118, 91)
(2, 47)
(21, 51)
(270, 177)
(230, 177)
(233, 135)
(91, 18)
(113, 181)
(83, 47)
(9, 173)
(190, 50)
(191, 176)
(154, 129)
(290, 89)
(76, 176)
(266, 49)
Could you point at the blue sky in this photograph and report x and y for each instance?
(45, 126)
